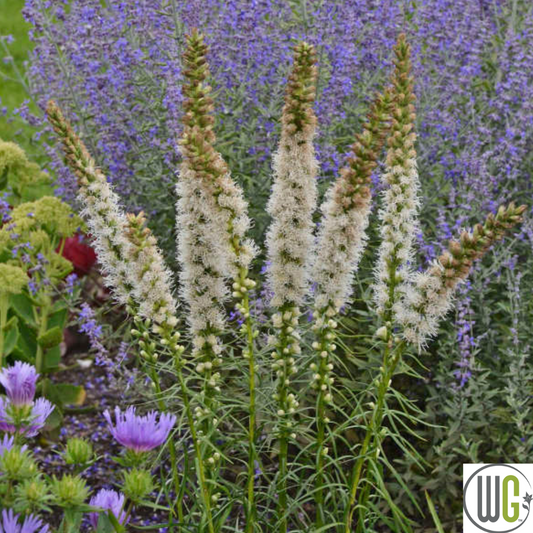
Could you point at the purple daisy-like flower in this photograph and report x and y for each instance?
(40, 411)
(6, 444)
(140, 433)
(19, 381)
(31, 524)
(108, 500)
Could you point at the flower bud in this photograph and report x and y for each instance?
(69, 491)
(137, 484)
(78, 452)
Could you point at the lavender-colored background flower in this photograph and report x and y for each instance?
(115, 68)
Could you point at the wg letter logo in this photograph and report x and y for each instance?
(497, 498)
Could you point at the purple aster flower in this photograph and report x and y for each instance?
(140, 433)
(28, 426)
(108, 500)
(6, 444)
(31, 524)
(19, 381)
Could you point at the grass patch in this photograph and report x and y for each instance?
(12, 93)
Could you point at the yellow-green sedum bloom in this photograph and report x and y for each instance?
(13, 279)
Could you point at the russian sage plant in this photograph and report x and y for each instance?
(215, 258)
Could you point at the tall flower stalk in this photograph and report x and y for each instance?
(398, 224)
(289, 241)
(134, 270)
(213, 213)
(341, 242)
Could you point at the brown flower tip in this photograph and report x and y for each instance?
(461, 254)
(300, 95)
(198, 104)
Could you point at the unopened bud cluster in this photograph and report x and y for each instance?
(286, 346)
(322, 367)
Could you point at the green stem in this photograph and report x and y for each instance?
(43, 324)
(204, 488)
(282, 482)
(284, 414)
(4, 304)
(172, 451)
(372, 436)
(250, 504)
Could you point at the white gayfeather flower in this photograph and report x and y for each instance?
(400, 198)
(106, 222)
(293, 199)
(151, 279)
(202, 256)
(430, 294)
(291, 205)
(341, 237)
(132, 265)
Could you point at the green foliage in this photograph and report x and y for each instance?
(33, 310)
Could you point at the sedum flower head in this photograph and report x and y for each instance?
(111, 501)
(11, 155)
(48, 212)
(20, 172)
(140, 433)
(400, 199)
(12, 279)
(19, 381)
(293, 198)
(430, 293)
(10, 523)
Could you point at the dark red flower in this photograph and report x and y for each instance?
(79, 253)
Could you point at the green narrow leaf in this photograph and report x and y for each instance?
(434, 514)
(13, 321)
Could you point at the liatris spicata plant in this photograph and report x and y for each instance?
(213, 253)
(212, 211)
(289, 242)
(340, 244)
